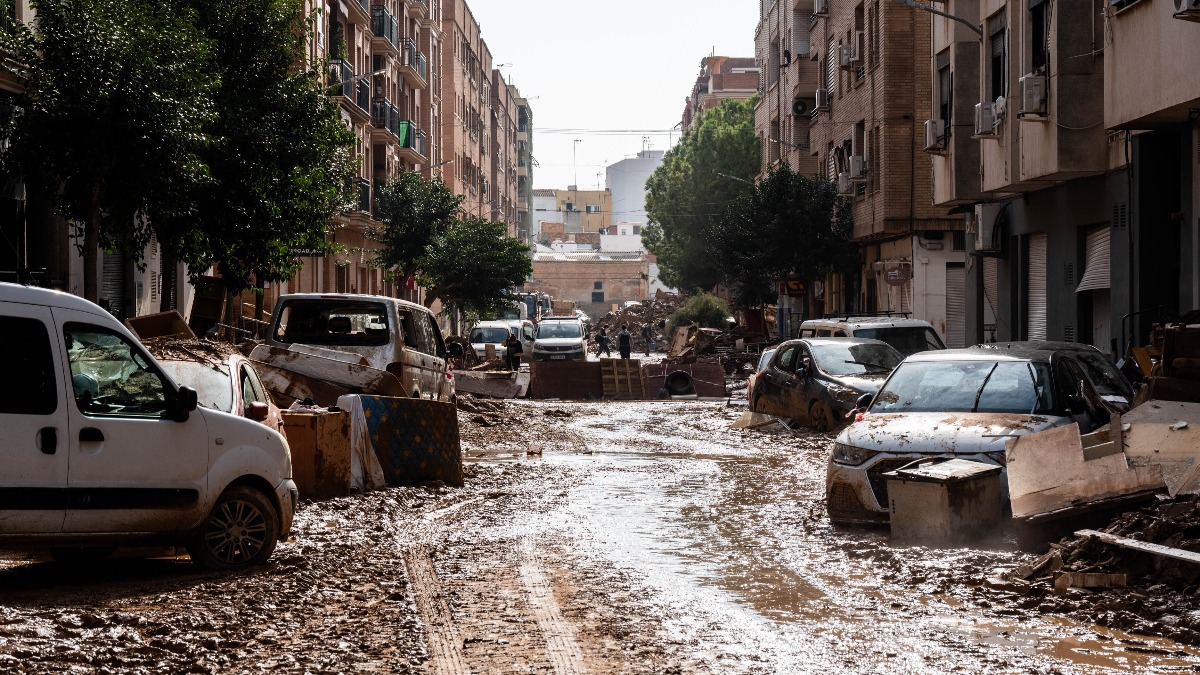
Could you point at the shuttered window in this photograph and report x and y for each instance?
(1036, 304)
(1096, 273)
(991, 284)
(956, 305)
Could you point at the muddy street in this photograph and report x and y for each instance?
(641, 537)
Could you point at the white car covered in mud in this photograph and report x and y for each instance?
(956, 403)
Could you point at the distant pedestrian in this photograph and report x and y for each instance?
(512, 351)
(602, 343)
(648, 336)
(623, 341)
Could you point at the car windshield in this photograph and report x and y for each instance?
(214, 387)
(488, 335)
(907, 340)
(855, 359)
(558, 329)
(967, 386)
(1103, 375)
(333, 322)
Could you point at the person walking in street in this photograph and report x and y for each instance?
(648, 336)
(513, 350)
(602, 343)
(623, 341)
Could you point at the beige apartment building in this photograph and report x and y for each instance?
(1067, 132)
(720, 77)
(845, 92)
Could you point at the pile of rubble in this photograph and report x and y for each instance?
(172, 348)
(656, 312)
(1141, 574)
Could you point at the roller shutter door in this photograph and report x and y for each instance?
(112, 283)
(991, 284)
(1036, 304)
(1096, 273)
(956, 306)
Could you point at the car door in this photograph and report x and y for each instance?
(779, 380)
(807, 385)
(131, 468)
(527, 338)
(33, 416)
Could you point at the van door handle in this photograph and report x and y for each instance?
(48, 440)
(90, 435)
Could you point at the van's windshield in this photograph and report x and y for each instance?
(559, 329)
(907, 340)
(332, 322)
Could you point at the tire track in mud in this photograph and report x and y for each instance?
(561, 647)
(441, 633)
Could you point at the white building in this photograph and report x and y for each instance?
(627, 181)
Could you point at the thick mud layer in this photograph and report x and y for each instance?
(590, 537)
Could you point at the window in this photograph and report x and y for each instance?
(637, 229)
(598, 296)
(592, 208)
(1039, 18)
(945, 92)
(37, 393)
(599, 285)
(997, 57)
(111, 377)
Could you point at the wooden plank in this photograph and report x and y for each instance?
(1143, 546)
(1065, 580)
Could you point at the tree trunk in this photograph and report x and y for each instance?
(91, 248)
(232, 311)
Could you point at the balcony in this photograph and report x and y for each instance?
(385, 116)
(358, 11)
(363, 96)
(417, 8)
(341, 78)
(414, 142)
(414, 66)
(384, 27)
(364, 195)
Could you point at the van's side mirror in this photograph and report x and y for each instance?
(864, 401)
(183, 404)
(257, 411)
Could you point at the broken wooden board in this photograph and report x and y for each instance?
(1048, 472)
(1155, 438)
(1065, 580)
(1143, 546)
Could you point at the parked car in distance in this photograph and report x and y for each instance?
(961, 403)
(400, 337)
(490, 333)
(818, 380)
(908, 336)
(227, 383)
(1108, 381)
(763, 359)
(560, 339)
(102, 448)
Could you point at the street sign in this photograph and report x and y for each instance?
(306, 252)
(896, 276)
(792, 287)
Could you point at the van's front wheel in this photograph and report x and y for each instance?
(240, 532)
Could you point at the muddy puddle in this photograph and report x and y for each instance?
(726, 532)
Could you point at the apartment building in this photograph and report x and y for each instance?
(525, 206)
(626, 179)
(720, 77)
(1067, 132)
(502, 188)
(846, 89)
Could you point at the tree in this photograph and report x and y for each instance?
(281, 158)
(112, 120)
(414, 212)
(473, 266)
(789, 223)
(687, 194)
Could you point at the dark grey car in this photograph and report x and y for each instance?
(818, 380)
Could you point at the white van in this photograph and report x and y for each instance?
(101, 448)
(400, 337)
(907, 336)
(492, 333)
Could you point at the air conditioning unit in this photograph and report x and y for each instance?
(935, 136)
(1188, 10)
(985, 120)
(845, 186)
(858, 167)
(986, 236)
(1033, 94)
(822, 99)
(802, 107)
(821, 7)
(845, 57)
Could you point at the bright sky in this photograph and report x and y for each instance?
(621, 66)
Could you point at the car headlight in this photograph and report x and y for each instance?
(850, 455)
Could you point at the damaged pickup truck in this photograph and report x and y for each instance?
(963, 403)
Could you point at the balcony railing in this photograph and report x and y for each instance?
(384, 115)
(365, 4)
(413, 138)
(384, 25)
(363, 99)
(364, 195)
(341, 74)
(415, 59)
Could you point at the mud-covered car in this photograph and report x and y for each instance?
(228, 383)
(1108, 381)
(956, 403)
(818, 380)
(764, 360)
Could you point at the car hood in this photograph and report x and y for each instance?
(558, 342)
(958, 433)
(847, 388)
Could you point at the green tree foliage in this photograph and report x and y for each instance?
(113, 119)
(281, 158)
(708, 311)
(414, 212)
(472, 266)
(789, 223)
(686, 195)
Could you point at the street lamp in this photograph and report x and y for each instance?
(356, 78)
(927, 8)
(738, 179)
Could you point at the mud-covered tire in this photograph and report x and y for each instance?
(821, 417)
(241, 531)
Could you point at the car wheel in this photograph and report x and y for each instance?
(240, 532)
(81, 555)
(821, 416)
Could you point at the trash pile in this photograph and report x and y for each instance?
(1140, 574)
(201, 350)
(657, 312)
